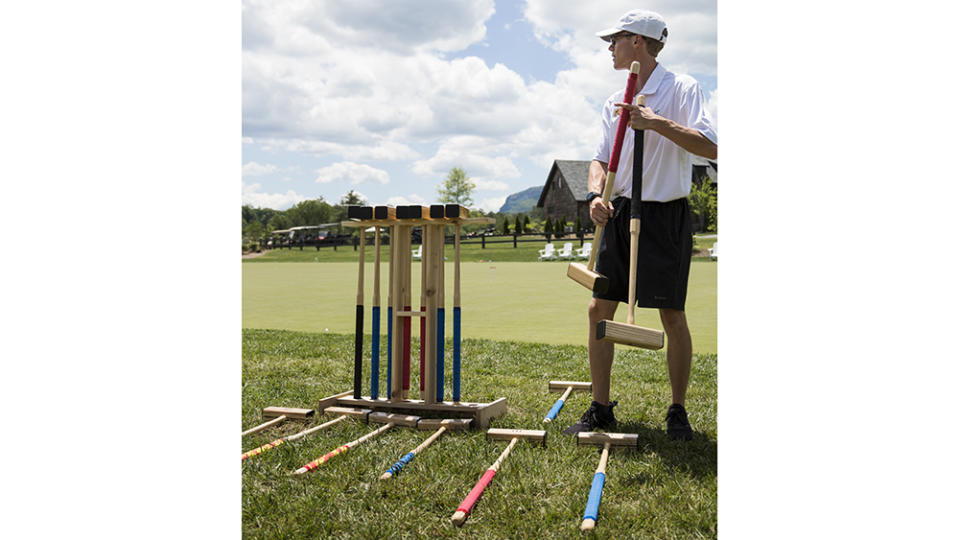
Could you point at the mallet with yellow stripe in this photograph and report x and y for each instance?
(513, 436)
(629, 333)
(344, 413)
(585, 275)
(441, 426)
(391, 420)
(625, 440)
(567, 388)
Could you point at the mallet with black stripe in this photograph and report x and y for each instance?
(629, 333)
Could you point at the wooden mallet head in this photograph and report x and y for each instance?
(595, 438)
(532, 435)
(289, 412)
(562, 386)
(451, 424)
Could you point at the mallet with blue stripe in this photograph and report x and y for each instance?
(441, 426)
(626, 440)
(566, 387)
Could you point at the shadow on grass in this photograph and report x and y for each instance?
(695, 458)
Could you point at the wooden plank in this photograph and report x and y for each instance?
(289, 412)
(492, 410)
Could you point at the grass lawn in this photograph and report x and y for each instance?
(508, 301)
(664, 490)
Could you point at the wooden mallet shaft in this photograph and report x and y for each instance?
(273, 444)
(513, 435)
(264, 425)
(409, 456)
(585, 275)
(358, 340)
(342, 449)
(568, 386)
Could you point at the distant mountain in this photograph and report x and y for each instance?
(521, 202)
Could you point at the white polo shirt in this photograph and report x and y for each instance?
(667, 168)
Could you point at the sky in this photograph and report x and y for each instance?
(384, 97)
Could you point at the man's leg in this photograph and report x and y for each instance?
(679, 352)
(600, 352)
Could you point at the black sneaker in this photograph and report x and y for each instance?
(596, 417)
(677, 424)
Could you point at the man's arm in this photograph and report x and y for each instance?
(688, 139)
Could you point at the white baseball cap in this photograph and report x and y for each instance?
(638, 21)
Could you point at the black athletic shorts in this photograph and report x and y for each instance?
(665, 249)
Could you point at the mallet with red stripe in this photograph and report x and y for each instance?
(391, 420)
(585, 275)
(629, 333)
(513, 436)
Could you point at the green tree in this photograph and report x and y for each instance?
(457, 188)
(702, 202)
(311, 212)
(519, 224)
(547, 225)
(352, 198)
(506, 225)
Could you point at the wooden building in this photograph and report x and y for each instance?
(564, 195)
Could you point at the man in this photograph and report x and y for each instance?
(676, 125)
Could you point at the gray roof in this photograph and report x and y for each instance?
(574, 172)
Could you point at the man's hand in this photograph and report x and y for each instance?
(599, 212)
(640, 117)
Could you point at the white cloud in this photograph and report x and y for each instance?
(368, 80)
(400, 200)
(278, 201)
(354, 173)
(492, 204)
(255, 169)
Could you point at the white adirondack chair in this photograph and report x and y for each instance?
(585, 251)
(566, 252)
(418, 253)
(548, 253)
(714, 251)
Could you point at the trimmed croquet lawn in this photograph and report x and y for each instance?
(508, 301)
(664, 490)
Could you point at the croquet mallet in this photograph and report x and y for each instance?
(344, 413)
(441, 426)
(568, 386)
(389, 419)
(513, 436)
(585, 275)
(625, 440)
(629, 333)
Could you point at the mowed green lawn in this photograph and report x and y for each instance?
(504, 301)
